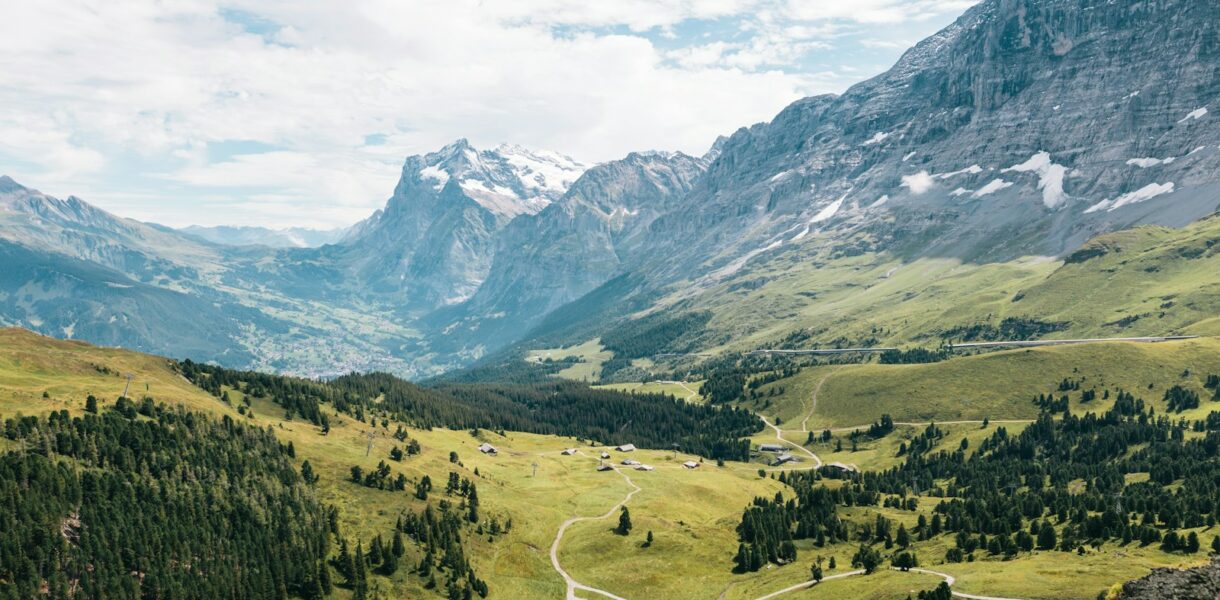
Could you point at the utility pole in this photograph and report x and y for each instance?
(535, 474)
(128, 385)
(369, 449)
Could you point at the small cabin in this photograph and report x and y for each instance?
(486, 448)
(626, 448)
(783, 458)
(630, 462)
(569, 451)
(643, 467)
(604, 455)
(690, 464)
(604, 467)
(770, 448)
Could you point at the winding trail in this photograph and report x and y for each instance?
(949, 579)
(779, 435)
(572, 584)
(808, 584)
(813, 399)
(693, 393)
(926, 423)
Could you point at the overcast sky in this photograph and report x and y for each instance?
(300, 113)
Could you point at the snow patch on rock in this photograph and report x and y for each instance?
(1145, 163)
(1195, 115)
(1147, 192)
(992, 187)
(436, 174)
(876, 139)
(1050, 177)
(829, 211)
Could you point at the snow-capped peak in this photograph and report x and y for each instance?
(509, 180)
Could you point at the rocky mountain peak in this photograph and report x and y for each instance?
(507, 181)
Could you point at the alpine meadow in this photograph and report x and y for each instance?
(947, 331)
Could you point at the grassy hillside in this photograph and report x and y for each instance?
(1144, 281)
(995, 385)
(692, 513)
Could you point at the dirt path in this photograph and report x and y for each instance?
(808, 584)
(949, 579)
(924, 424)
(779, 435)
(693, 393)
(572, 584)
(813, 399)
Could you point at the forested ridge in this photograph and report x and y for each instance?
(1066, 482)
(166, 504)
(552, 407)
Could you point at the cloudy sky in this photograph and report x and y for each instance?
(300, 112)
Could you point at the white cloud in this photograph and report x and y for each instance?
(138, 105)
(918, 183)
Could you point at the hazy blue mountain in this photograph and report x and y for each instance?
(290, 237)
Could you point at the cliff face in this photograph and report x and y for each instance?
(598, 230)
(1022, 129)
(433, 243)
(1199, 583)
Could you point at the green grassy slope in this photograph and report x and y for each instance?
(995, 385)
(692, 513)
(1143, 281)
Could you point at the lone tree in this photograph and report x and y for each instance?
(905, 561)
(91, 404)
(648, 540)
(624, 522)
(866, 558)
(816, 573)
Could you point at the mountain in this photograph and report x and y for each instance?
(931, 197)
(432, 244)
(1023, 129)
(291, 237)
(596, 231)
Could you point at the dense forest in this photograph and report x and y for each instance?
(552, 407)
(157, 503)
(1010, 328)
(652, 335)
(1065, 483)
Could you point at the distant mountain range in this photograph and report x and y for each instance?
(290, 237)
(988, 153)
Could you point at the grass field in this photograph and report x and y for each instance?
(682, 391)
(995, 385)
(692, 513)
(591, 354)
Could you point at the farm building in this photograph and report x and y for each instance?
(770, 448)
(604, 455)
(486, 448)
(645, 468)
(604, 467)
(626, 448)
(569, 451)
(783, 458)
(690, 464)
(630, 462)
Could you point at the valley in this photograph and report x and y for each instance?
(692, 513)
(953, 331)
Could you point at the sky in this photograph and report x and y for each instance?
(284, 113)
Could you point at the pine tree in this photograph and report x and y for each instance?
(624, 522)
(903, 538)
